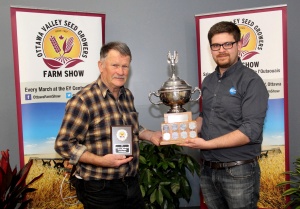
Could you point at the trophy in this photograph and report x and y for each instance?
(175, 92)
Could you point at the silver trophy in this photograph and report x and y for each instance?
(175, 92)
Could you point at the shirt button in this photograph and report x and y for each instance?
(215, 95)
(219, 81)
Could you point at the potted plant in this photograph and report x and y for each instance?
(13, 187)
(293, 186)
(163, 179)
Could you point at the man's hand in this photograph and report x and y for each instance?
(156, 138)
(233, 139)
(198, 143)
(109, 160)
(113, 160)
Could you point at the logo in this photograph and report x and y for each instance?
(252, 38)
(232, 91)
(61, 44)
(27, 96)
(122, 134)
(68, 95)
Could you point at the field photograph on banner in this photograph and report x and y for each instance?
(55, 56)
(264, 49)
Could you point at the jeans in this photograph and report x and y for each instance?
(111, 194)
(231, 188)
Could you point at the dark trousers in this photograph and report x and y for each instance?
(110, 194)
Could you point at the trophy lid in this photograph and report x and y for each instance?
(174, 82)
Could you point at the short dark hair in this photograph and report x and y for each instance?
(224, 27)
(116, 45)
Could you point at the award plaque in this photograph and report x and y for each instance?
(175, 92)
(121, 140)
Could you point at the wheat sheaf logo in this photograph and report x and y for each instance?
(61, 48)
(251, 39)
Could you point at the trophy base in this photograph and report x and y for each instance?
(170, 142)
(177, 128)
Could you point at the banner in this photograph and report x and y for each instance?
(264, 49)
(55, 55)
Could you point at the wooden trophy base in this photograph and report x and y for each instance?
(178, 127)
(170, 142)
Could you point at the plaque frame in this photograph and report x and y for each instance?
(121, 140)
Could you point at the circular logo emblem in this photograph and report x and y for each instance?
(193, 134)
(165, 128)
(166, 136)
(182, 126)
(252, 40)
(61, 45)
(122, 134)
(232, 91)
(192, 125)
(174, 127)
(184, 134)
(175, 135)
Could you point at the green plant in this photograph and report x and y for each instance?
(13, 187)
(293, 186)
(163, 179)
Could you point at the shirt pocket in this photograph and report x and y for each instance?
(100, 127)
(231, 107)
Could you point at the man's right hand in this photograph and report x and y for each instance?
(113, 160)
(109, 160)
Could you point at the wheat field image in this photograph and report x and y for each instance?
(54, 190)
(272, 168)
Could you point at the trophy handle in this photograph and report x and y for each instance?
(155, 94)
(196, 89)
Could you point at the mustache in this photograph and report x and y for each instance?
(222, 55)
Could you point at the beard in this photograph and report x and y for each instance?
(223, 60)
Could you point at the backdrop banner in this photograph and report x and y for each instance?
(55, 56)
(264, 49)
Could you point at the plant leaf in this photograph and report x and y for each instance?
(142, 190)
(175, 187)
(153, 196)
(142, 160)
(290, 191)
(159, 197)
(73, 62)
(52, 63)
(166, 193)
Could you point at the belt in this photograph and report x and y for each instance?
(220, 165)
(123, 179)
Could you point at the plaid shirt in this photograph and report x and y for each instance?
(86, 127)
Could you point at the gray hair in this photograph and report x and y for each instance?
(118, 46)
